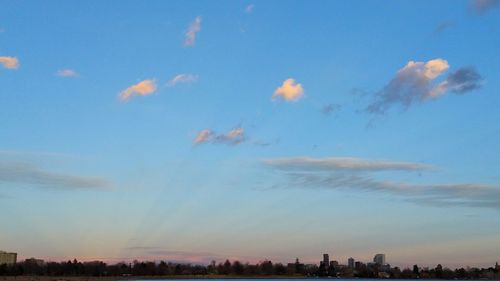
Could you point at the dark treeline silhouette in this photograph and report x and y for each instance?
(33, 267)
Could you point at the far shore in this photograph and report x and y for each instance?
(117, 278)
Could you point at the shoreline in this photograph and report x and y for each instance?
(132, 278)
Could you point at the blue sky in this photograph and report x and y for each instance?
(251, 129)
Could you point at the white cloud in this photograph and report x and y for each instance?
(9, 62)
(143, 88)
(416, 82)
(66, 73)
(194, 28)
(182, 78)
(289, 90)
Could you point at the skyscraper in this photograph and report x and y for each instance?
(326, 259)
(379, 259)
(350, 263)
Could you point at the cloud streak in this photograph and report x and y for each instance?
(9, 62)
(190, 35)
(182, 78)
(343, 163)
(24, 173)
(290, 90)
(358, 174)
(416, 82)
(143, 88)
(233, 137)
(66, 73)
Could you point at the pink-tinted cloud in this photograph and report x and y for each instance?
(203, 136)
(233, 137)
(290, 90)
(190, 36)
(143, 88)
(66, 73)
(9, 62)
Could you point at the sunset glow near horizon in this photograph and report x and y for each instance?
(251, 130)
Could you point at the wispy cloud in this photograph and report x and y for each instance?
(30, 174)
(233, 137)
(194, 28)
(182, 78)
(290, 90)
(331, 108)
(343, 163)
(441, 27)
(204, 136)
(461, 81)
(416, 82)
(143, 88)
(483, 6)
(66, 73)
(358, 175)
(249, 8)
(9, 62)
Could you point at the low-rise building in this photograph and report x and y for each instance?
(33, 261)
(8, 258)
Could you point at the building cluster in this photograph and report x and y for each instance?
(8, 258)
(377, 268)
(334, 268)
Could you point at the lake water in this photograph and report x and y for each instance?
(273, 279)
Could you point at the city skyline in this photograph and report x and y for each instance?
(250, 130)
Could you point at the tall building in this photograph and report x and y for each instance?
(379, 259)
(8, 258)
(326, 259)
(350, 263)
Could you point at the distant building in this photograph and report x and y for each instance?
(359, 265)
(311, 267)
(8, 258)
(379, 259)
(33, 261)
(326, 259)
(296, 267)
(350, 263)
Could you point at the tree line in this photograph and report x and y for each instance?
(32, 267)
